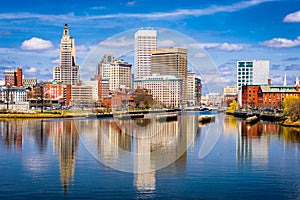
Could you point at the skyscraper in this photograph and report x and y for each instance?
(68, 71)
(171, 61)
(254, 72)
(144, 42)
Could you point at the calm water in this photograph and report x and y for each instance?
(94, 159)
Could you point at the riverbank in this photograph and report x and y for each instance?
(289, 123)
(45, 114)
(271, 117)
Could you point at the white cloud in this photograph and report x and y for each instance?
(166, 43)
(223, 46)
(227, 80)
(200, 55)
(281, 43)
(229, 47)
(277, 80)
(131, 3)
(82, 48)
(292, 17)
(226, 73)
(70, 17)
(56, 61)
(36, 44)
(118, 42)
(31, 70)
(98, 8)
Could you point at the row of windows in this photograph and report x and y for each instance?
(245, 77)
(245, 64)
(245, 69)
(245, 73)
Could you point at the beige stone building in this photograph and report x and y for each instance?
(165, 89)
(118, 72)
(171, 61)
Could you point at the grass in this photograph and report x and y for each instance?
(45, 114)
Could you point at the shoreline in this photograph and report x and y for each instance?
(40, 115)
(282, 120)
(77, 114)
(288, 123)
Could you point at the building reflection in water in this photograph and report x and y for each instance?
(291, 135)
(141, 146)
(65, 143)
(253, 141)
(41, 135)
(11, 134)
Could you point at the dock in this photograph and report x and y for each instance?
(163, 118)
(130, 116)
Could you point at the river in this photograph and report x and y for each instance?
(148, 159)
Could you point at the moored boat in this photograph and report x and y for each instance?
(251, 120)
(206, 118)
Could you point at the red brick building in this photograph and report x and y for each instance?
(54, 90)
(19, 77)
(267, 96)
(128, 98)
(250, 95)
(14, 78)
(273, 96)
(68, 95)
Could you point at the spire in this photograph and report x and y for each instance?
(297, 81)
(284, 80)
(66, 30)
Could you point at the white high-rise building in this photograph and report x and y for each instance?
(68, 71)
(255, 72)
(145, 40)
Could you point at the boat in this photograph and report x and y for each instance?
(206, 118)
(252, 120)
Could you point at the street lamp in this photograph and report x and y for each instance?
(7, 95)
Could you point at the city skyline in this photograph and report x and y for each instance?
(228, 31)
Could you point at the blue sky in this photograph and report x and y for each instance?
(228, 30)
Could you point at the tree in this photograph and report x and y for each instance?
(291, 107)
(142, 99)
(233, 106)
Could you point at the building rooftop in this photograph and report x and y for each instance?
(268, 88)
(159, 78)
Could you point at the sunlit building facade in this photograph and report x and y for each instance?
(145, 40)
(165, 89)
(13, 78)
(68, 71)
(171, 61)
(29, 82)
(117, 72)
(191, 84)
(255, 72)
